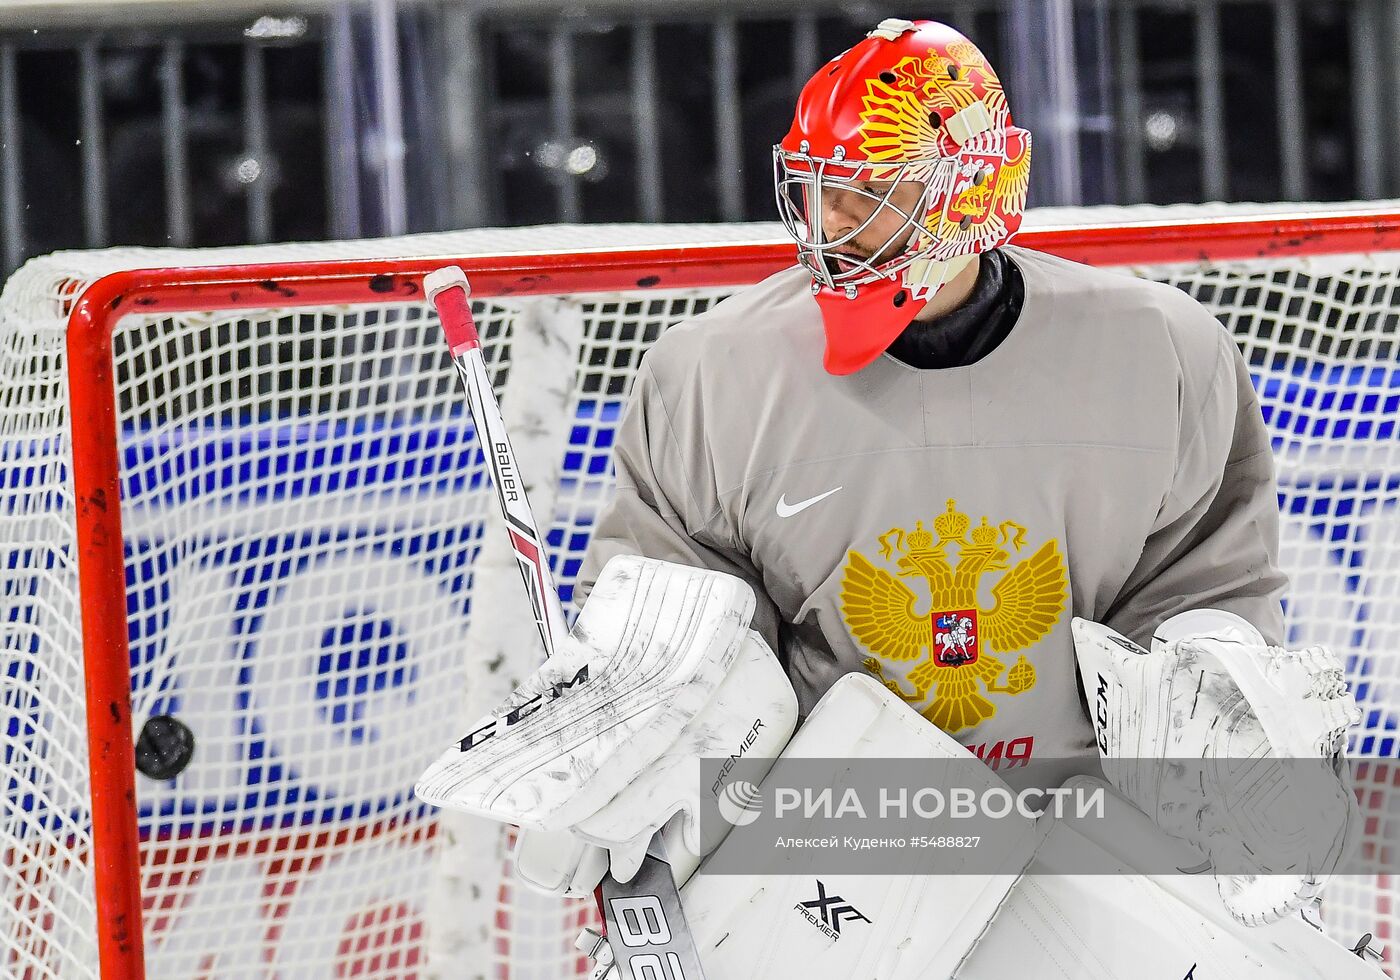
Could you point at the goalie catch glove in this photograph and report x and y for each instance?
(1232, 745)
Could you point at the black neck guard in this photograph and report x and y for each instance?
(972, 331)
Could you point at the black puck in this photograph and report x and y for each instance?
(164, 747)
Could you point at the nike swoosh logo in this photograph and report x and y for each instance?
(786, 509)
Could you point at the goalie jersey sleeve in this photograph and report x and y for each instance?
(661, 510)
(1214, 543)
(939, 528)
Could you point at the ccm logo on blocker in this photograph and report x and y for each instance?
(515, 715)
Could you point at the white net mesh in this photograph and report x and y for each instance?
(303, 505)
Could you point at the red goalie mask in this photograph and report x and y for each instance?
(907, 138)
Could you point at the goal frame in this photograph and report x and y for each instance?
(285, 285)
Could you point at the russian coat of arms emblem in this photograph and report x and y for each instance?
(953, 645)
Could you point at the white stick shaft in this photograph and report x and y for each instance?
(525, 537)
(528, 544)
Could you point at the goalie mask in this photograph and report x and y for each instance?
(901, 165)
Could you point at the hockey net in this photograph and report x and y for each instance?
(305, 571)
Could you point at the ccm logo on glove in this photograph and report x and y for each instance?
(1101, 710)
(520, 712)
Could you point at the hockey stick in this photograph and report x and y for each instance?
(667, 950)
(450, 293)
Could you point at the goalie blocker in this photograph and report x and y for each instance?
(604, 742)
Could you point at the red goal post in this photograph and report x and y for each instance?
(1252, 248)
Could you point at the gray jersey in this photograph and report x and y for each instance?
(938, 528)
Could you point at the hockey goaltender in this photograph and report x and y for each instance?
(937, 496)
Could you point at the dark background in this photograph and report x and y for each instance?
(333, 120)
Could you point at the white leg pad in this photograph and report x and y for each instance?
(1049, 920)
(1109, 926)
(920, 926)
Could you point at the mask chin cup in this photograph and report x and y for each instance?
(860, 325)
(925, 277)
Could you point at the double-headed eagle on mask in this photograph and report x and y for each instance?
(896, 125)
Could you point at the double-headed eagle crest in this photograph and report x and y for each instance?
(953, 639)
(994, 174)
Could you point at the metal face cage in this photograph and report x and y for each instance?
(803, 184)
